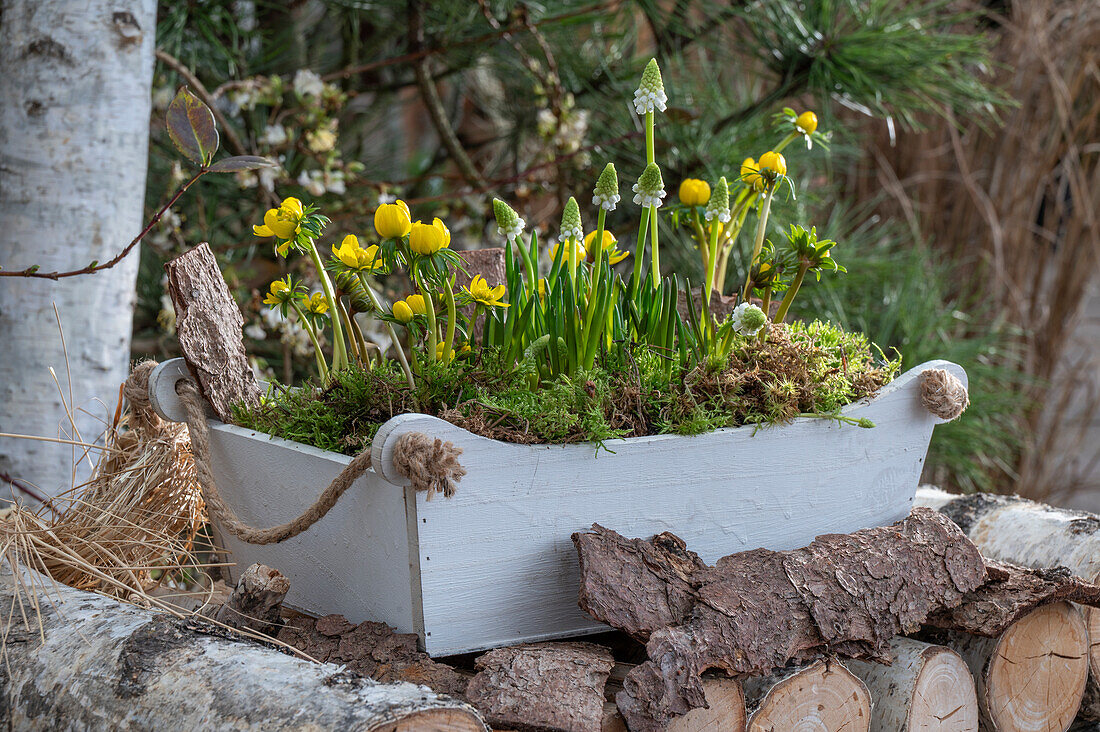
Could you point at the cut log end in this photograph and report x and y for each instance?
(823, 697)
(436, 720)
(725, 710)
(1036, 677)
(927, 687)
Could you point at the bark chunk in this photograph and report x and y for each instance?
(756, 611)
(209, 327)
(543, 687)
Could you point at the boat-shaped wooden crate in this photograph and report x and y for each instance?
(494, 565)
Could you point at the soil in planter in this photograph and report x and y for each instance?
(800, 369)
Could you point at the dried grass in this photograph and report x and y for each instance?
(127, 532)
(1017, 209)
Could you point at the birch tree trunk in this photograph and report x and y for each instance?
(74, 138)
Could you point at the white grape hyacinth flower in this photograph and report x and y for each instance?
(748, 319)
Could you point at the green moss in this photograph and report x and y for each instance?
(800, 369)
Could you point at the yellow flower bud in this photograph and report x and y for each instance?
(427, 239)
(392, 220)
(402, 311)
(751, 174)
(773, 161)
(807, 122)
(694, 192)
(417, 303)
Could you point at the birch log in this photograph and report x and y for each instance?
(821, 697)
(105, 665)
(927, 687)
(1014, 529)
(1032, 678)
(725, 710)
(75, 83)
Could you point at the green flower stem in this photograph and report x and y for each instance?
(353, 343)
(448, 343)
(357, 333)
(339, 351)
(322, 367)
(700, 237)
(639, 250)
(791, 137)
(739, 215)
(433, 329)
(648, 137)
(761, 228)
(573, 253)
(712, 259)
(392, 333)
(655, 254)
(599, 255)
(473, 320)
(803, 268)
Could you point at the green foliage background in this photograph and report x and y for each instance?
(516, 79)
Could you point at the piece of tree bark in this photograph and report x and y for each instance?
(756, 611)
(821, 696)
(142, 669)
(724, 712)
(256, 600)
(1014, 529)
(371, 649)
(927, 687)
(74, 144)
(209, 327)
(1032, 678)
(543, 687)
(1011, 593)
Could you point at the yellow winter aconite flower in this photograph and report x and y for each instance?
(355, 257)
(568, 252)
(283, 222)
(279, 293)
(807, 122)
(393, 220)
(480, 292)
(317, 304)
(402, 311)
(773, 161)
(427, 239)
(464, 348)
(614, 256)
(417, 304)
(751, 174)
(694, 192)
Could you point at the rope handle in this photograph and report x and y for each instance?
(429, 464)
(943, 394)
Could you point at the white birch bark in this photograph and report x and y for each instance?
(75, 84)
(1014, 529)
(107, 666)
(927, 687)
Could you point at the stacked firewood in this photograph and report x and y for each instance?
(903, 627)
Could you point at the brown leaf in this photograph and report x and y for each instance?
(191, 126)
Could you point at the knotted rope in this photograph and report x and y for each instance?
(429, 465)
(943, 394)
(136, 391)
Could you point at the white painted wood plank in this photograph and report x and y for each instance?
(497, 562)
(355, 561)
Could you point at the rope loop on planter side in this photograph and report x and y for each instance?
(429, 465)
(943, 394)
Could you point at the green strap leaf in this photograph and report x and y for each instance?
(191, 126)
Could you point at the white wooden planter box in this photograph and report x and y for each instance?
(494, 565)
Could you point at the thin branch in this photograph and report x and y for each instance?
(430, 94)
(32, 271)
(176, 65)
